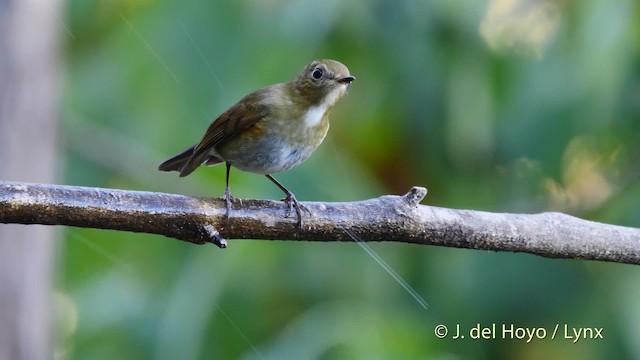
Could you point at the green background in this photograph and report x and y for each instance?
(507, 106)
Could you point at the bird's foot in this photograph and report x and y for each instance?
(293, 203)
(228, 200)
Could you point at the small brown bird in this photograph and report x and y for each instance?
(272, 129)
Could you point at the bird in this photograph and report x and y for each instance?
(270, 130)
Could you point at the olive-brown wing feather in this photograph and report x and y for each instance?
(232, 122)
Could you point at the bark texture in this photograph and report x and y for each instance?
(387, 218)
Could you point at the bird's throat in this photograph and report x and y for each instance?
(316, 113)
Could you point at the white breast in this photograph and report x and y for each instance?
(314, 115)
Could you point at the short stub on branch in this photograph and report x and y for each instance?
(215, 237)
(415, 195)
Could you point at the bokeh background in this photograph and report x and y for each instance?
(499, 105)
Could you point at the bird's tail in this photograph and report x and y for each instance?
(186, 162)
(177, 162)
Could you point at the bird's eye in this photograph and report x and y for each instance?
(317, 73)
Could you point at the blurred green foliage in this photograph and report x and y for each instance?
(516, 106)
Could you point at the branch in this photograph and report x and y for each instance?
(387, 218)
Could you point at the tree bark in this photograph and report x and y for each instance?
(388, 218)
(28, 147)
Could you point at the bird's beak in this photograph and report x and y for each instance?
(345, 79)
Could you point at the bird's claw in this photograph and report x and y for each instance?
(228, 200)
(294, 204)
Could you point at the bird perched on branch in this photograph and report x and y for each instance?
(270, 130)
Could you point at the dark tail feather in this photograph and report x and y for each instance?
(177, 162)
(186, 162)
(192, 163)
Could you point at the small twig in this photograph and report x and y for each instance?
(388, 218)
(215, 237)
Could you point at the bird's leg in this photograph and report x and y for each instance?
(228, 199)
(291, 200)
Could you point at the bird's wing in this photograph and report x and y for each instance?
(243, 115)
(239, 117)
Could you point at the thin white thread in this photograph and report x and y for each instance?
(66, 29)
(100, 250)
(239, 331)
(203, 57)
(149, 47)
(387, 268)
